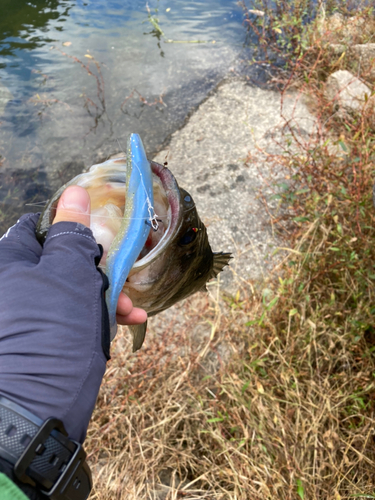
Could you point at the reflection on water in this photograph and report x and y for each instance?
(77, 77)
(22, 23)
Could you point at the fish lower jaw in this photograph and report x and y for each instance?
(140, 294)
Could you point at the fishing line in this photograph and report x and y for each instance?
(42, 204)
(153, 220)
(37, 204)
(159, 217)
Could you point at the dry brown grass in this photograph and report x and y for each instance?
(291, 411)
(269, 394)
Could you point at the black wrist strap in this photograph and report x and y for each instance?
(42, 454)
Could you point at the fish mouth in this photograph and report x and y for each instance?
(106, 185)
(108, 194)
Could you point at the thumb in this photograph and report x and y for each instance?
(74, 206)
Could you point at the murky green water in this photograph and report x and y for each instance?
(77, 76)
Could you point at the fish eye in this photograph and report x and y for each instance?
(188, 237)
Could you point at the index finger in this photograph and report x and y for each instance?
(127, 314)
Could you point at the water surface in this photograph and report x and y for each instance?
(77, 77)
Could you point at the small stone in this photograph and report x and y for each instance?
(336, 48)
(365, 50)
(347, 92)
(365, 55)
(335, 22)
(348, 30)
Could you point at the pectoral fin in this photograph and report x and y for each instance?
(139, 333)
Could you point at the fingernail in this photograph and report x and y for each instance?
(75, 198)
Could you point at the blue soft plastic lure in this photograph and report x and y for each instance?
(135, 226)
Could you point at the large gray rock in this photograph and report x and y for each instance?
(224, 155)
(347, 92)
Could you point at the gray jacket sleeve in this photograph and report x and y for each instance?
(53, 322)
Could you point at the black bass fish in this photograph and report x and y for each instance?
(176, 260)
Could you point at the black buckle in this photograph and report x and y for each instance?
(74, 482)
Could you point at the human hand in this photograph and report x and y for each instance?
(54, 331)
